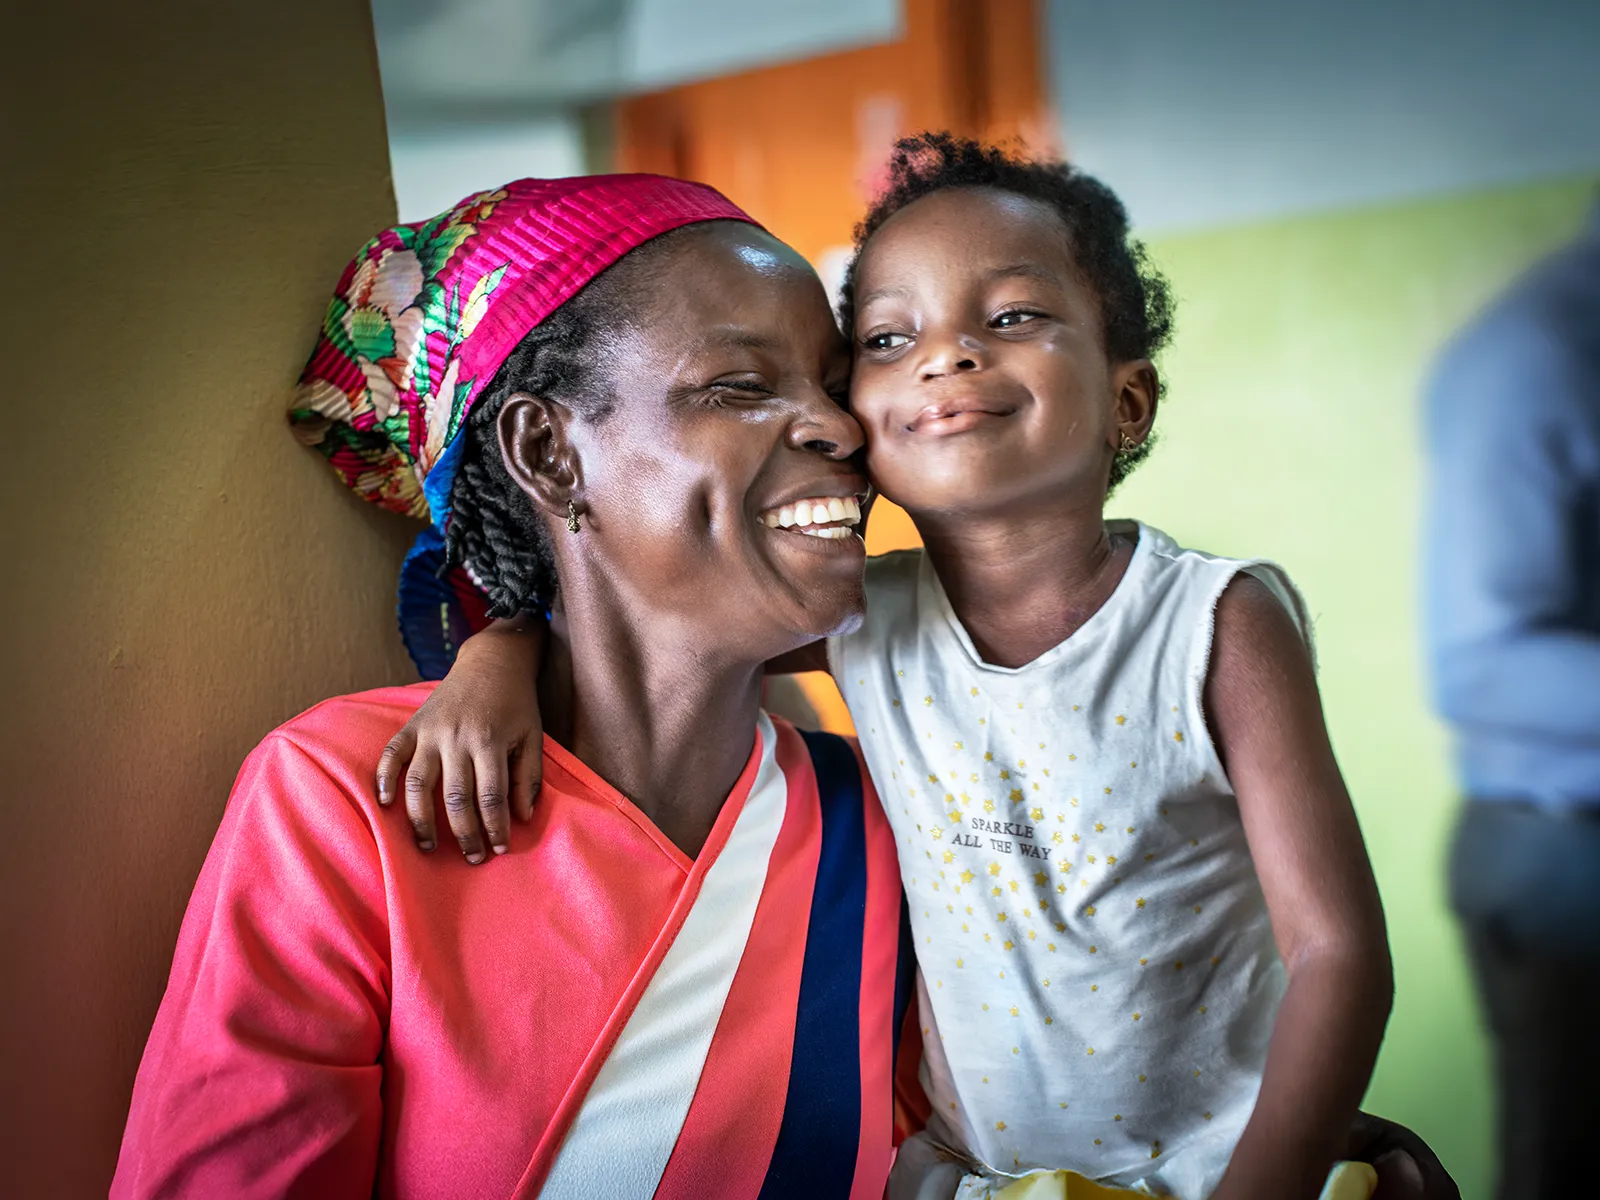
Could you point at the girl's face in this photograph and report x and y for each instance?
(981, 377)
(727, 422)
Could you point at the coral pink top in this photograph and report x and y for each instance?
(590, 1014)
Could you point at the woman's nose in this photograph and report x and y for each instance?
(822, 427)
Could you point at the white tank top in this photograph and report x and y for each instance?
(1098, 978)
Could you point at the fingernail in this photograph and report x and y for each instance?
(501, 849)
(424, 845)
(475, 859)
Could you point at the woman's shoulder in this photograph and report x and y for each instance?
(327, 754)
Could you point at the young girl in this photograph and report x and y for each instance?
(1151, 948)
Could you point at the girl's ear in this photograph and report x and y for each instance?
(538, 453)
(1137, 387)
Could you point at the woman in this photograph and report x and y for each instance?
(685, 982)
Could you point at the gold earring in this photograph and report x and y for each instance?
(572, 517)
(1128, 445)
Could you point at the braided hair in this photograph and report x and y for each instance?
(494, 530)
(1135, 301)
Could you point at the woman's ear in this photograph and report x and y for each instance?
(1138, 390)
(538, 454)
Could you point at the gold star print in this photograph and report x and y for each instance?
(1136, 1017)
(949, 856)
(1092, 858)
(1197, 908)
(1139, 903)
(974, 691)
(1036, 787)
(1094, 987)
(960, 745)
(1050, 946)
(1061, 926)
(1028, 912)
(1040, 878)
(988, 756)
(1121, 720)
(1076, 838)
(1155, 1149)
(1051, 1021)
(1091, 1055)
(1215, 961)
(1072, 758)
(960, 964)
(1016, 795)
(1056, 837)
(1130, 828)
(1118, 1117)
(896, 703)
(966, 877)
(1094, 949)
(1032, 935)
(1013, 885)
(1099, 826)
(1036, 813)
(1089, 912)
(969, 910)
(994, 868)
(1177, 737)
(1111, 859)
(1061, 889)
(933, 778)
(1108, 791)
(1000, 1125)
(988, 806)
(995, 891)
(1001, 917)
(938, 833)
(1144, 962)
(1141, 1079)
(987, 938)
(1010, 945)
(1004, 774)
(1013, 1010)
(928, 700)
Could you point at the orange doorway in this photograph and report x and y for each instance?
(802, 146)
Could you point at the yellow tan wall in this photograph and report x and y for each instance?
(183, 184)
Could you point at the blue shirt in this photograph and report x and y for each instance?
(1512, 559)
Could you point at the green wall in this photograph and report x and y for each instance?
(1291, 430)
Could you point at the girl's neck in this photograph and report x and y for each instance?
(1023, 582)
(643, 706)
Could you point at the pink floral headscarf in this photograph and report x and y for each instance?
(423, 317)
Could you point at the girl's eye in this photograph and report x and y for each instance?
(1014, 317)
(884, 341)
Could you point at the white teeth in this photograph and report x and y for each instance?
(831, 532)
(827, 510)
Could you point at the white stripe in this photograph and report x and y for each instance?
(623, 1135)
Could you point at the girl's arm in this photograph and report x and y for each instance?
(481, 737)
(1266, 720)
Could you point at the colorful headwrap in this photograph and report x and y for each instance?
(419, 324)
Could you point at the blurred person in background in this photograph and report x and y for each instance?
(1512, 580)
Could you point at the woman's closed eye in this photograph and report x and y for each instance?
(738, 389)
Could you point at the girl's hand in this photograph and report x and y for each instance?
(479, 735)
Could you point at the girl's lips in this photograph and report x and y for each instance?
(957, 416)
(956, 422)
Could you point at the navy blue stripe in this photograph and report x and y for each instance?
(905, 974)
(820, 1136)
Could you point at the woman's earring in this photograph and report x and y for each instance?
(572, 517)
(1128, 445)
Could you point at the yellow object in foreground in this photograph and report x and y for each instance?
(1347, 1181)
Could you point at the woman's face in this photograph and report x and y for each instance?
(727, 424)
